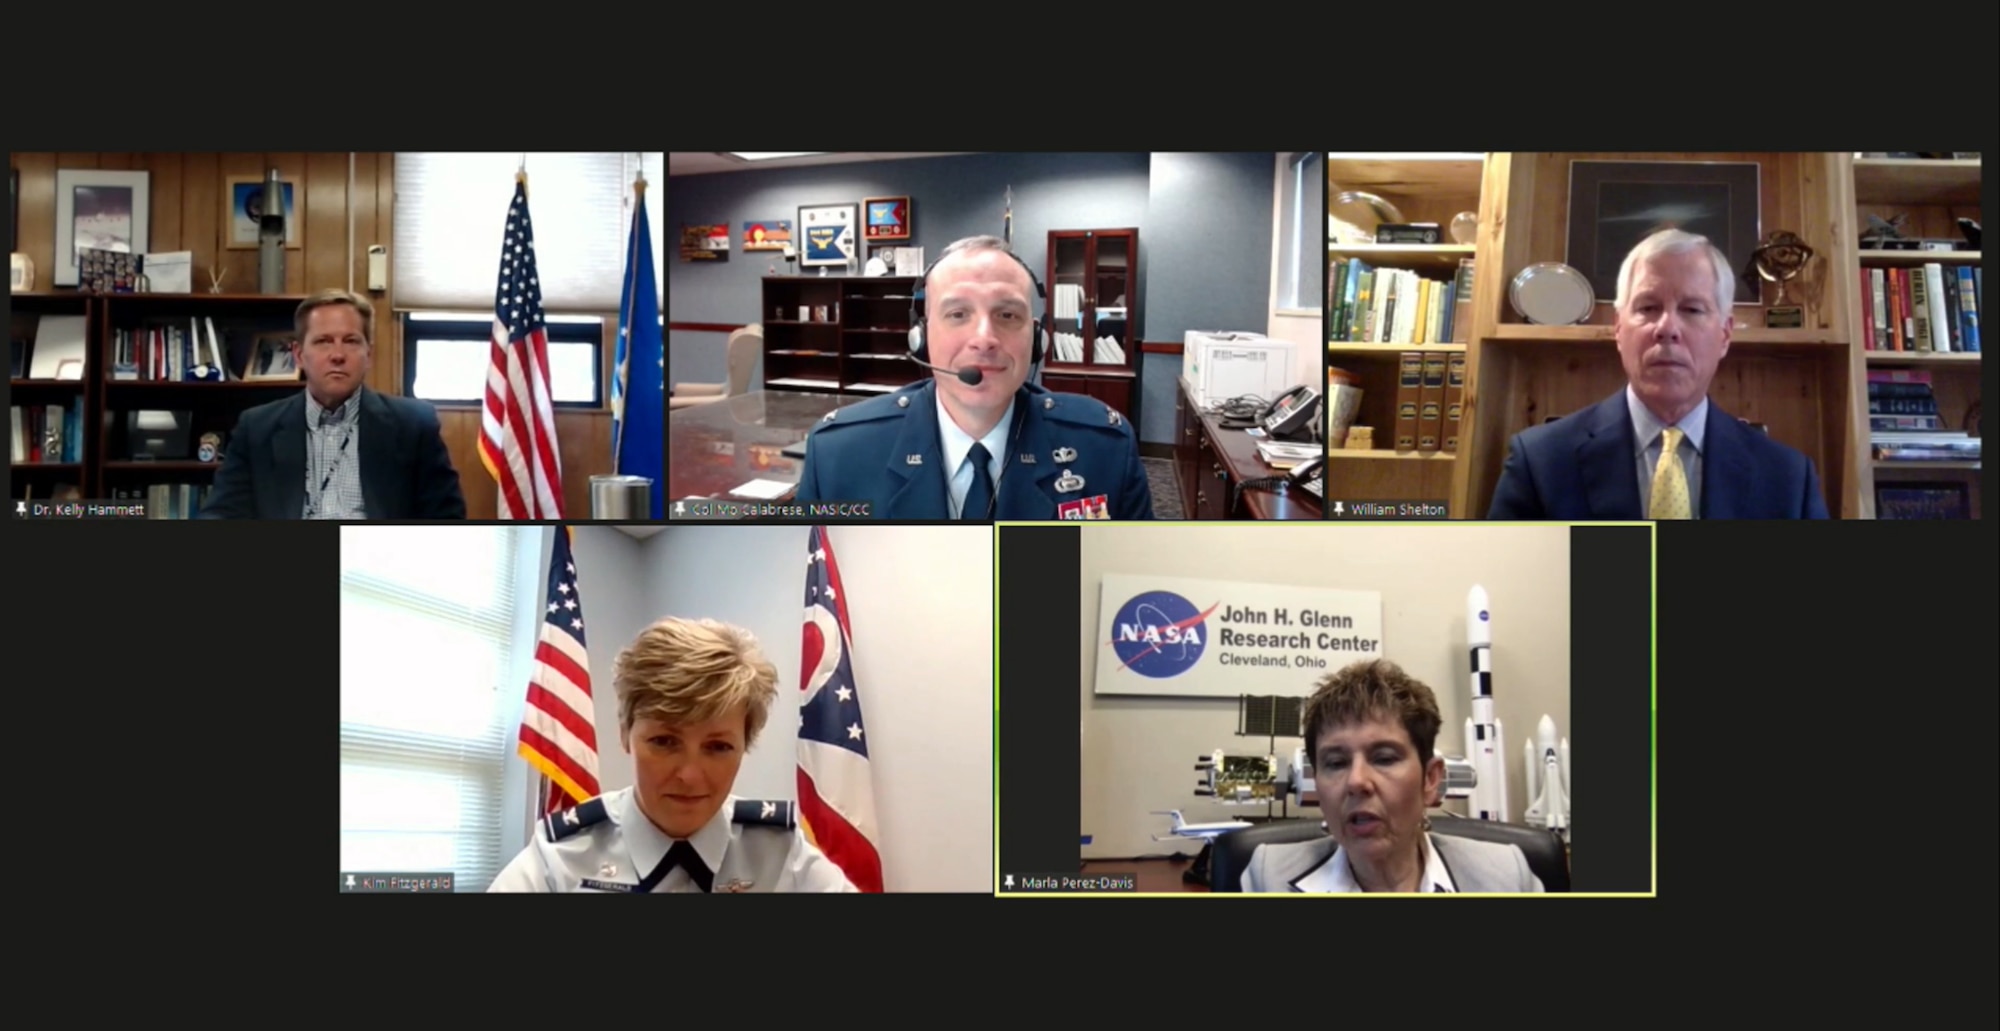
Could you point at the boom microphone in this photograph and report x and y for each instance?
(969, 377)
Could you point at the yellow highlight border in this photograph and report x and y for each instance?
(1653, 538)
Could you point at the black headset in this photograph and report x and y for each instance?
(920, 347)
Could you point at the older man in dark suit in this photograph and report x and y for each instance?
(1660, 449)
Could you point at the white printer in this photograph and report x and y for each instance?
(1222, 365)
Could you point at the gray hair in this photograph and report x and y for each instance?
(1676, 241)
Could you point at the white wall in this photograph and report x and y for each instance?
(1139, 753)
(920, 608)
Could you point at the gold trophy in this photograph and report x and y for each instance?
(1780, 259)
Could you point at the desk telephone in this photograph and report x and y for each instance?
(1311, 475)
(1297, 409)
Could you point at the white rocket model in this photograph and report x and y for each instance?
(1548, 779)
(1482, 732)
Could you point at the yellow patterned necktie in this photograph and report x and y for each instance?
(1670, 484)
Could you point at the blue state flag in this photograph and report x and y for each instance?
(639, 388)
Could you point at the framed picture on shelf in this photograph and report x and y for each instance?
(830, 234)
(888, 218)
(271, 359)
(243, 198)
(104, 210)
(1615, 204)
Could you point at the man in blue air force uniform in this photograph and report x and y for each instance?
(977, 441)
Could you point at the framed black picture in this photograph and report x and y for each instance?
(14, 206)
(1615, 204)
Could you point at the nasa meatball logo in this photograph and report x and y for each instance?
(1159, 634)
(1482, 615)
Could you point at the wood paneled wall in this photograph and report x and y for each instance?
(190, 213)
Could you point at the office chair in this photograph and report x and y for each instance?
(1546, 857)
(746, 345)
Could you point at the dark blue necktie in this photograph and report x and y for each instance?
(979, 500)
(684, 856)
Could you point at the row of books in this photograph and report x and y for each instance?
(1394, 306)
(1904, 424)
(167, 353)
(1927, 308)
(1430, 396)
(45, 433)
(167, 500)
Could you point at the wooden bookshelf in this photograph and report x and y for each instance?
(1931, 194)
(1423, 188)
(45, 479)
(859, 347)
(1099, 270)
(107, 466)
(1806, 385)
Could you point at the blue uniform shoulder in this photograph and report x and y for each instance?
(760, 812)
(1079, 410)
(574, 820)
(874, 410)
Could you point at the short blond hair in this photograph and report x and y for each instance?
(682, 671)
(328, 298)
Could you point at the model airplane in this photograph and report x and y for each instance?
(1199, 831)
(1483, 732)
(1548, 779)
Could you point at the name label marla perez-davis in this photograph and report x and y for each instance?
(1162, 635)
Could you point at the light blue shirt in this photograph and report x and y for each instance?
(956, 442)
(1647, 430)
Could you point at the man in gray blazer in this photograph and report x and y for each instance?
(1371, 730)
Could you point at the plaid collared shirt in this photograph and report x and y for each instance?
(333, 460)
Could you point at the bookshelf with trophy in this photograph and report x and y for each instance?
(1916, 304)
(1400, 253)
(1552, 231)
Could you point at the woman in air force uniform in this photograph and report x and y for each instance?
(692, 697)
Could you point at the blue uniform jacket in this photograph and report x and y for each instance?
(886, 450)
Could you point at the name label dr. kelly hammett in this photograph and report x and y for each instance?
(1180, 636)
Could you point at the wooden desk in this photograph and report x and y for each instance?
(714, 448)
(1210, 460)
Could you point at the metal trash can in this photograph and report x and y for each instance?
(621, 497)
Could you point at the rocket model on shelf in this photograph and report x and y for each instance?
(1483, 738)
(1548, 779)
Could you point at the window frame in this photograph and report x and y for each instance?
(526, 560)
(414, 329)
(1301, 241)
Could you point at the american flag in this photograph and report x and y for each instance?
(558, 728)
(517, 434)
(836, 787)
